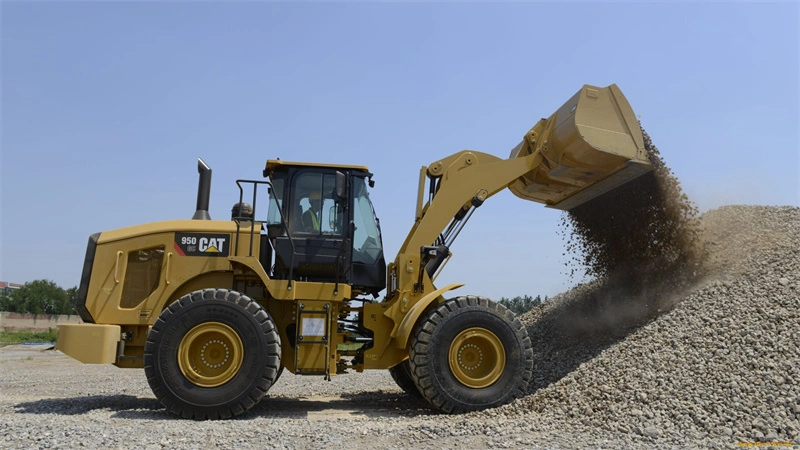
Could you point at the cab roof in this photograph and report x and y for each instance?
(275, 163)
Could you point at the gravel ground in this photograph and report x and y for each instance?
(50, 401)
(710, 366)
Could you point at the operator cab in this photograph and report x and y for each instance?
(322, 226)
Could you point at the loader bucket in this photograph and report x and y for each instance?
(592, 144)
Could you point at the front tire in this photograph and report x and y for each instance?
(212, 354)
(470, 353)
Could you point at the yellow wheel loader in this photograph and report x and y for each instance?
(215, 310)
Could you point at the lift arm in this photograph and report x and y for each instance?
(590, 145)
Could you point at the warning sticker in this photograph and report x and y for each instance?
(202, 244)
(313, 327)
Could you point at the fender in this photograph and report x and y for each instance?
(202, 281)
(251, 263)
(410, 320)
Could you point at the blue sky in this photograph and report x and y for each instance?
(106, 106)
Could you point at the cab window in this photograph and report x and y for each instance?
(313, 210)
(367, 236)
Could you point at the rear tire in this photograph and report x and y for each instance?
(470, 353)
(212, 354)
(401, 374)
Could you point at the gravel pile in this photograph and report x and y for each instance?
(721, 366)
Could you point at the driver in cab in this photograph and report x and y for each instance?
(310, 217)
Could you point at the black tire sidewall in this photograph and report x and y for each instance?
(185, 395)
(463, 397)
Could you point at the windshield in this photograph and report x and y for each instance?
(367, 247)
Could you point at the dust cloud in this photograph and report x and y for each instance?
(641, 242)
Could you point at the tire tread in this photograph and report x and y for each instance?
(264, 382)
(425, 338)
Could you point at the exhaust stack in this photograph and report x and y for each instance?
(203, 191)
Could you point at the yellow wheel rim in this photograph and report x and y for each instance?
(477, 358)
(210, 354)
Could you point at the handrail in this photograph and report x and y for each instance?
(284, 223)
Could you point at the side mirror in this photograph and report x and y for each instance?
(341, 187)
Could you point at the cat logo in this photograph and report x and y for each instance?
(211, 245)
(202, 244)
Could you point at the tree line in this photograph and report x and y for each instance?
(519, 305)
(40, 297)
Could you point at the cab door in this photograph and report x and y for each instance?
(316, 246)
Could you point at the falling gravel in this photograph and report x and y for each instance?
(642, 238)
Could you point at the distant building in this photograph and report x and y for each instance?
(6, 287)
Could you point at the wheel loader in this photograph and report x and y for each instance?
(215, 310)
